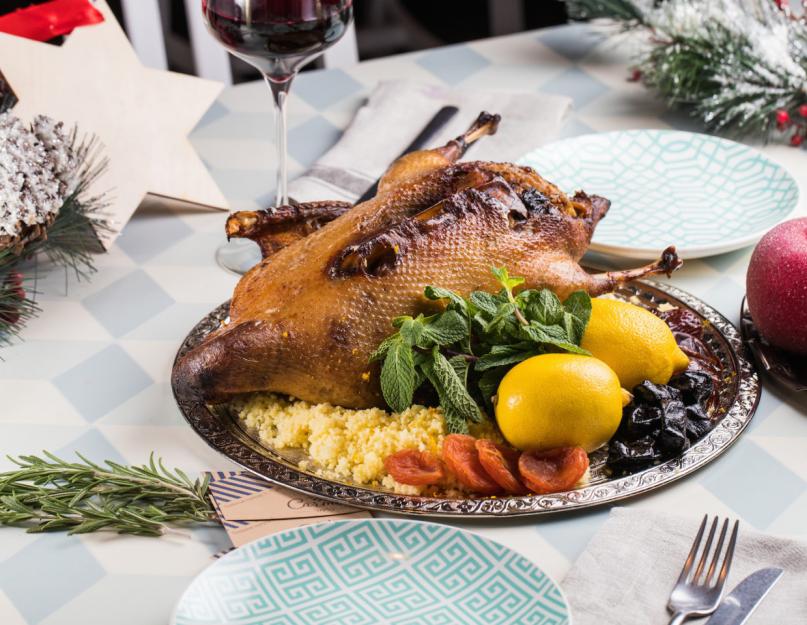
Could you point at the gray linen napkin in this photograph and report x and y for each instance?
(397, 111)
(627, 571)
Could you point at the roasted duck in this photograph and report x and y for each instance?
(305, 320)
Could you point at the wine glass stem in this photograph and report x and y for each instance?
(280, 91)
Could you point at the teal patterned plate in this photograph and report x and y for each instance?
(373, 572)
(704, 194)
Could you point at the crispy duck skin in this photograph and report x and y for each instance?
(305, 320)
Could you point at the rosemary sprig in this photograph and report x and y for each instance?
(50, 494)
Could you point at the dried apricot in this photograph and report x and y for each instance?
(501, 464)
(462, 459)
(553, 470)
(416, 468)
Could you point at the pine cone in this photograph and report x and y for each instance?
(38, 170)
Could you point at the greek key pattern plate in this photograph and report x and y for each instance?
(369, 572)
(738, 395)
(706, 194)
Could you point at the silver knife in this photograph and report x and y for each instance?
(744, 599)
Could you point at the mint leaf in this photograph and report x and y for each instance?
(455, 302)
(550, 335)
(573, 327)
(544, 307)
(488, 384)
(398, 376)
(461, 365)
(540, 333)
(454, 396)
(444, 329)
(420, 360)
(502, 355)
(397, 322)
(455, 422)
(412, 330)
(504, 278)
(502, 313)
(485, 302)
(578, 307)
(383, 347)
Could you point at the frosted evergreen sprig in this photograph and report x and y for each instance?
(46, 208)
(739, 65)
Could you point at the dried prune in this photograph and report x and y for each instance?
(698, 422)
(627, 457)
(672, 437)
(695, 386)
(639, 420)
(654, 394)
(683, 321)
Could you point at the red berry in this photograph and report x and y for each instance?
(782, 117)
(796, 140)
(635, 75)
(14, 278)
(12, 284)
(803, 110)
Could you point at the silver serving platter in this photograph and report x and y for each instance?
(736, 400)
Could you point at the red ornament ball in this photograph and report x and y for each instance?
(782, 117)
(797, 139)
(803, 110)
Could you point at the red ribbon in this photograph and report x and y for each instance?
(42, 22)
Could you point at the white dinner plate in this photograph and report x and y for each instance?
(703, 194)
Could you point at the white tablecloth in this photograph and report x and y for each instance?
(93, 371)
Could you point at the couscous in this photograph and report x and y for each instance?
(345, 444)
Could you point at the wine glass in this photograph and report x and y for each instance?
(277, 37)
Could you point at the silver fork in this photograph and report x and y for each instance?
(694, 594)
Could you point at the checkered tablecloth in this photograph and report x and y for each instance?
(93, 371)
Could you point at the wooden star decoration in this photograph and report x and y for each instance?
(142, 116)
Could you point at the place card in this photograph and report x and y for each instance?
(250, 508)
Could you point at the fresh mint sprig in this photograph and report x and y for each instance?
(464, 351)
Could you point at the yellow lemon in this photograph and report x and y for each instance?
(559, 400)
(635, 343)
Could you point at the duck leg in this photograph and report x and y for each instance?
(600, 283)
(274, 229)
(415, 164)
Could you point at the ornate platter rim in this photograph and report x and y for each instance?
(220, 431)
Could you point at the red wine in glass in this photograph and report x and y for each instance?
(278, 37)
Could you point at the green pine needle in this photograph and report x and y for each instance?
(622, 10)
(46, 494)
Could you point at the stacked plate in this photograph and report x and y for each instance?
(704, 194)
